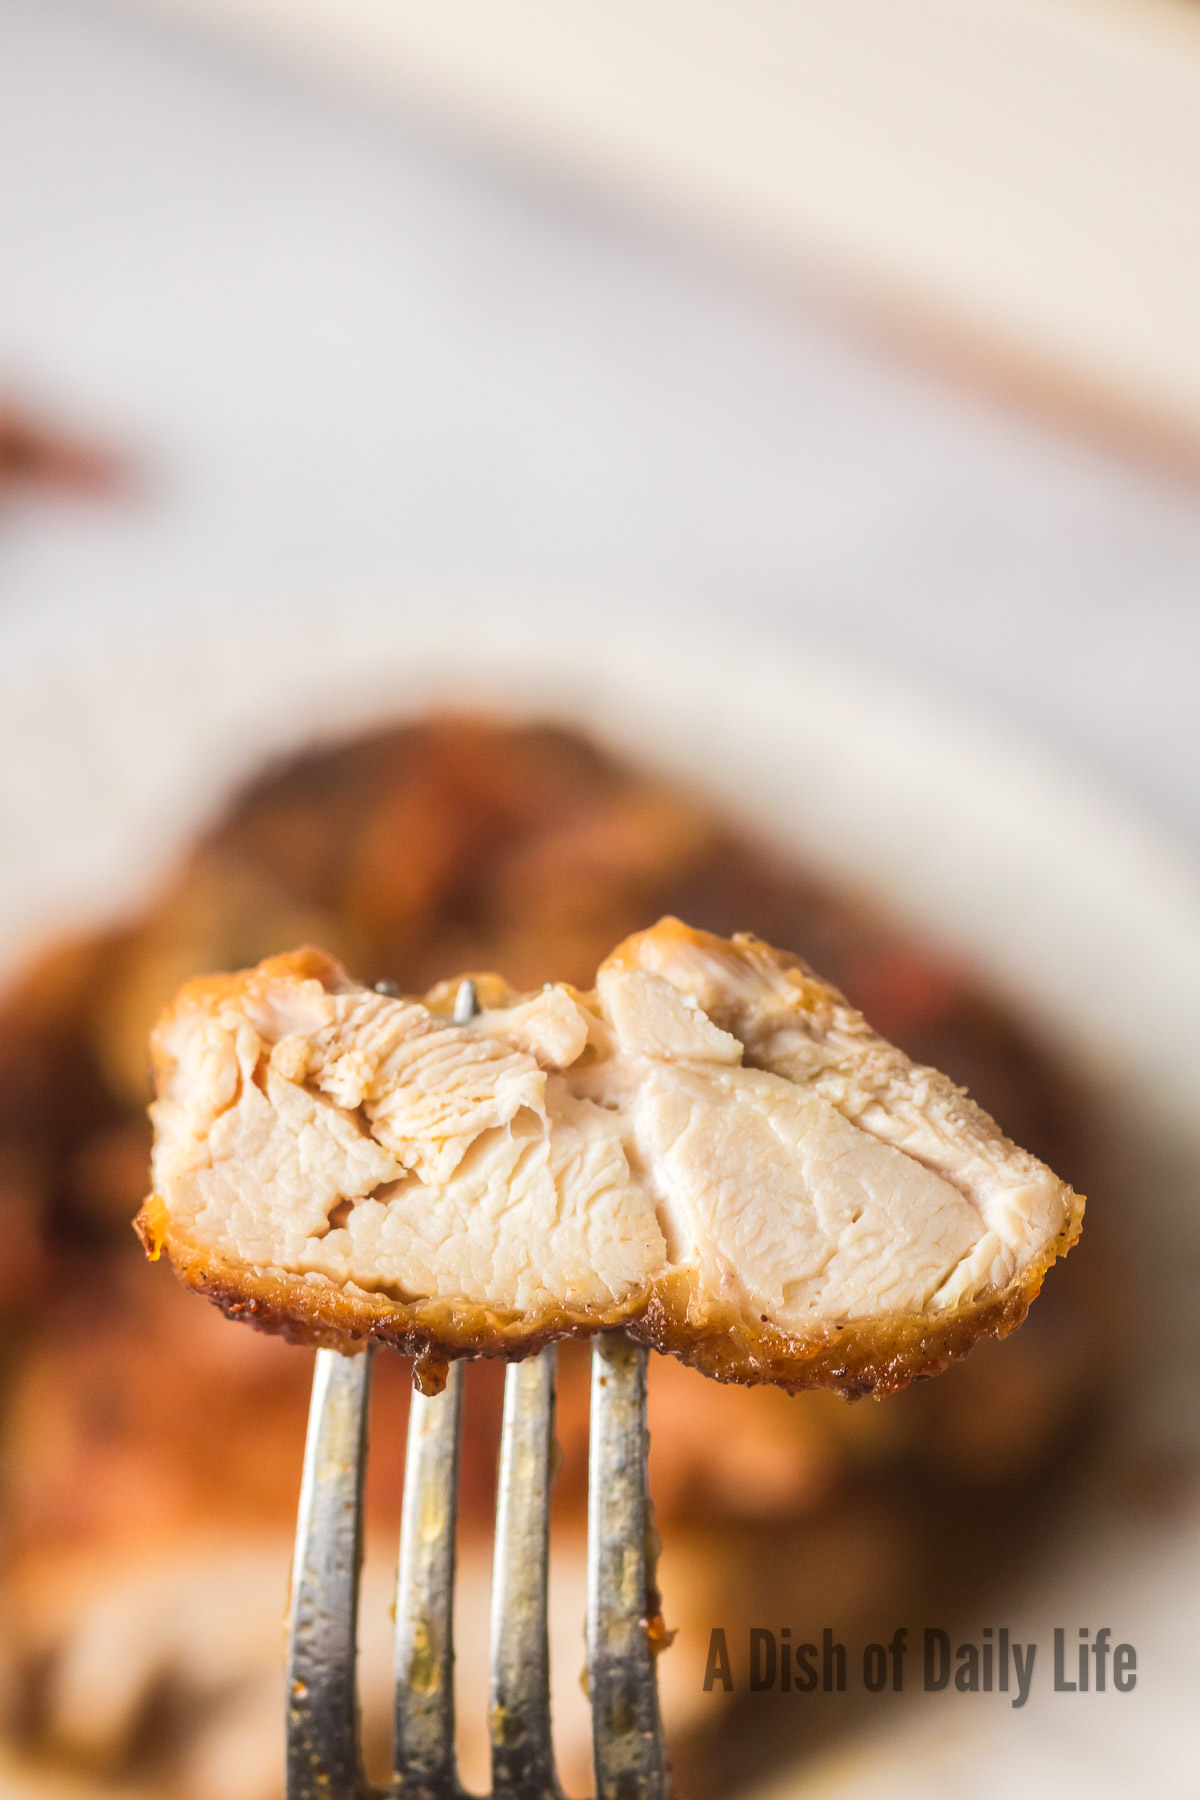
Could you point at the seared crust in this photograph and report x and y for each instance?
(859, 1358)
(855, 1359)
(673, 1313)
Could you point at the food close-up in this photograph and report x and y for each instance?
(599, 900)
(139, 1518)
(708, 1132)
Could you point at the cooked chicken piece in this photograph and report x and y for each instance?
(711, 1149)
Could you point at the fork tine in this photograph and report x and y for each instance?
(519, 1696)
(424, 1664)
(322, 1705)
(627, 1737)
(425, 1594)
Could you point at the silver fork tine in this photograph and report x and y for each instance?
(425, 1594)
(424, 1658)
(519, 1694)
(323, 1761)
(322, 1702)
(627, 1736)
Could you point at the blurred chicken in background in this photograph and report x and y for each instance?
(151, 1452)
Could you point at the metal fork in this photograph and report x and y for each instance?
(323, 1759)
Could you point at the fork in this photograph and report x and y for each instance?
(323, 1757)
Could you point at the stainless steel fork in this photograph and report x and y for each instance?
(323, 1760)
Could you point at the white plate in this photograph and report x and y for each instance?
(115, 745)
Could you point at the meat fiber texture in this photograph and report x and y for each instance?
(711, 1149)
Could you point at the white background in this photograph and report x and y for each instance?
(352, 352)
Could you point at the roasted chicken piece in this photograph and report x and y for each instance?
(711, 1149)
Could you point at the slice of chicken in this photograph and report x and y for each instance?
(711, 1149)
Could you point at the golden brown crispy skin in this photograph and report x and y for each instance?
(860, 1356)
(855, 1359)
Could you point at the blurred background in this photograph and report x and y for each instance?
(473, 478)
